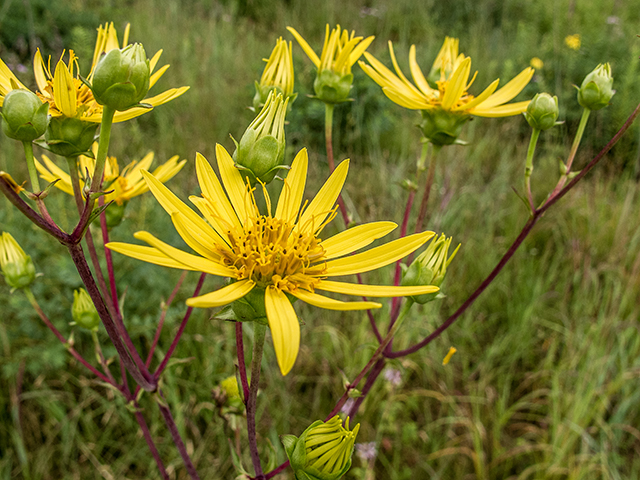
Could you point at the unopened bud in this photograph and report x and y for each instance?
(595, 91)
(542, 111)
(323, 451)
(17, 267)
(260, 153)
(430, 267)
(83, 310)
(24, 114)
(121, 77)
(277, 76)
(69, 137)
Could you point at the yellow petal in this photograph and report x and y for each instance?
(501, 111)
(416, 73)
(64, 90)
(40, 72)
(199, 264)
(222, 296)
(456, 84)
(359, 50)
(374, 290)
(285, 328)
(510, 90)
(305, 46)
(159, 99)
(212, 191)
(355, 238)
(156, 76)
(192, 237)
(331, 304)
(147, 254)
(293, 189)
(173, 204)
(6, 77)
(315, 214)
(233, 183)
(52, 172)
(376, 257)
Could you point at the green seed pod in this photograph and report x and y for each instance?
(25, 116)
(323, 451)
(16, 266)
(69, 137)
(442, 127)
(83, 310)
(542, 111)
(595, 91)
(260, 153)
(331, 87)
(430, 268)
(121, 77)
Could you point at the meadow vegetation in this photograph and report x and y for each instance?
(545, 381)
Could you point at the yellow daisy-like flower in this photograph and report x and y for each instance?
(451, 92)
(272, 256)
(68, 96)
(124, 185)
(573, 41)
(536, 63)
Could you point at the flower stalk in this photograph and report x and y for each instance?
(259, 333)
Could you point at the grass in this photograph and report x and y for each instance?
(544, 384)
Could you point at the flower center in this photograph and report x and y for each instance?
(270, 251)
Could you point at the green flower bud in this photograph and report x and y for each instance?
(323, 451)
(115, 213)
(16, 266)
(277, 76)
(331, 87)
(24, 114)
(69, 137)
(430, 268)
(442, 127)
(542, 111)
(121, 77)
(83, 310)
(595, 91)
(260, 153)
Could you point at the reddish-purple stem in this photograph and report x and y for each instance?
(395, 304)
(177, 439)
(241, 362)
(149, 439)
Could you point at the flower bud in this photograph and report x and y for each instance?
(542, 111)
(260, 153)
(430, 268)
(442, 127)
(277, 76)
(69, 137)
(83, 310)
(595, 91)
(24, 114)
(323, 451)
(121, 77)
(332, 87)
(16, 266)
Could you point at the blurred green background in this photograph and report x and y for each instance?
(544, 384)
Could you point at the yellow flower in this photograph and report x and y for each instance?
(536, 63)
(272, 256)
(124, 185)
(452, 84)
(68, 96)
(573, 41)
(339, 53)
(278, 74)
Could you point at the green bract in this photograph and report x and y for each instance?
(17, 268)
(595, 91)
(260, 153)
(121, 77)
(331, 87)
(430, 268)
(542, 112)
(442, 127)
(323, 451)
(83, 310)
(25, 116)
(69, 137)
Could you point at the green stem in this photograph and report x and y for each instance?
(578, 138)
(31, 165)
(103, 147)
(259, 333)
(528, 169)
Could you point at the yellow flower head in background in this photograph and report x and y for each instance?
(278, 74)
(268, 257)
(68, 96)
(451, 92)
(124, 185)
(340, 52)
(573, 41)
(536, 63)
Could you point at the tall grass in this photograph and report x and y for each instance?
(544, 384)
